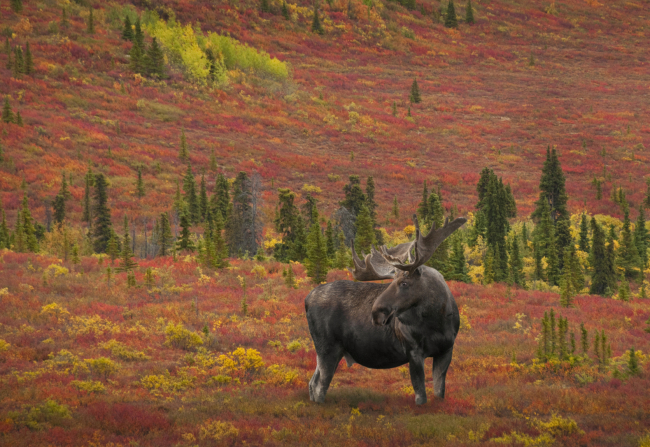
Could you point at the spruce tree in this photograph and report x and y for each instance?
(497, 226)
(221, 197)
(395, 210)
(450, 18)
(87, 204)
(365, 233)
(394, 109)
(184, 152)
(552, 264)
(424, 215)
(203, 199)
(316, 26)
(138, 35)
(469, 13)
(139, 184)
(624, 293)
(127, 264)
(191, 197)
(113, 247)
(165, 237)
(8, 52)
(4, 230)
(184, 242)
(285, 10)
(16, 5)
(136, 56)
(28, 228)
(516, 264)
(562, 238)
(641, 238)
(64, 19)
(264, 6)
(552, 188)
(329, 241)
(355, 199)
(342, 258)
(457, 261)
(102, 215)
(414, 97)
(628, 256)
(7, 114)
(19, 119)
(59, 208)
(127, 31)
(154, 61)
(29, 61)
(482, 186)
(633, 368)
(317, 263)
(602, 277)
(19, 62)
(90, 28)
(370, 199)
(220, 247)
(583, 242)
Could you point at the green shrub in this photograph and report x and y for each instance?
(43, 416)
(179, 337)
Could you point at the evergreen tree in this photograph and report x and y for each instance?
(90, 29)
(370, 199)
(516, 264)
(191, 197)
(127, 264)
(602, 277)
(139, 184)
(243, 226)
(220, 199)
(414, 97)
(165, 237)
(329, 240)
(395, 211)
(469, 13)
(4, 230)
(28, 228)
(628, 257)
(264, 6)
(365, 234)
(287, 222)
(138, 35)
(624, 293)
(450, 18)
(220, 247)
(583, 242)
(308, 208)
(646, 199)
(482, 186)
(16, 5)
(203, 199)
(355, 199)
(64, 18)
(213, 161)
(113, 247)
(562, 238)
(154, 61)
(641, 238)
(285, 10)
(136, 56)
(316, 26)
(7, 114)
(19, 62)
(394, 109)
(184, 152)
(87, 205)
(29, 61)
(342, 258)
(184, 242)
(127, 31)
(19, 119)
(552, 188)
(102, 214)
(317, 263)
(553, 263)
(8, 53)
(424, 215)
(497, 226)
(633, 368)
(458, 264)
(59, 208)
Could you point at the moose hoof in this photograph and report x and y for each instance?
(420, 400)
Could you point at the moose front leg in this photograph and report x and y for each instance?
(416, 368)
(440, 366)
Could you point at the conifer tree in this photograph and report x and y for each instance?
(497, 226)
(414, 97)
(127, 31)
(90, 29)
(457, 261)
(184, 242)
(87, 204)
(482, 186)
(19, 119)
(308, 209)
(450, 18)
(4, 230)
(9, 54)
(628, 257)
(285, 10)
(220, 199)
(64, 18)
(395, 210)
(633, 368)
(316, 26)
(154, 60)
(29, 61)
(113, 247)
(139, 184)
(624, 293)
(641, 238)
(317, 263)
(191, 197)
(394, 109)
(264, 6)
(602, 277)
(220, 247)
(583, 242)
(552, 264)
(342, 258)
(329, 241)
(102, 214)
(16, 5)
(19, 235)
(138, 35)
(203, 199)
(164, 235)
(7, 114)
(365, 233)
(28, 228)
(424, 215)
(562, 238)
(19, 62)
(354, 196)
(469, 13)
(370, 199)
(516, 264)
(136, 55)
(184, 152)
(59, 208)
(552, 188)
(127, 264)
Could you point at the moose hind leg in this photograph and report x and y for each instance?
(313, 382)
(440, 366)
(416, 369)
(327, 364)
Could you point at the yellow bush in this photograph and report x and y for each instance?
(90, 386)
(123, 352)
(259, 271)
(559, 426)
(54, 309)
(246, 361)
(311, 189)
(91, 325)
(168, 383)
(294, 346)
(179, 337)
(217, 430)
(54, 271)
(102, 367)
(4, 346)
(282, 375)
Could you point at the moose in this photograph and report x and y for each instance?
(386, 325)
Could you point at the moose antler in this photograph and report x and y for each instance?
(425, 246)
(373, 267)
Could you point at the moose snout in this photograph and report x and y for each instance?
(382, 316)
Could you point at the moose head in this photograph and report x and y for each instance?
(411, 295)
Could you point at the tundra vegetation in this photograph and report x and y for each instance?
(170, 192)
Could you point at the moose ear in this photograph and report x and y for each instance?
(417, 272)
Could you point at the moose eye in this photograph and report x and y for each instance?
(403, 284)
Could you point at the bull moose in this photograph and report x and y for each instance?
(387, 325)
